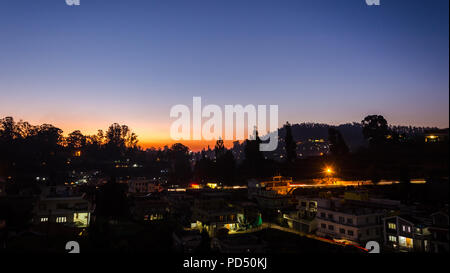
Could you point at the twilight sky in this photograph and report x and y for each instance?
(129, 61)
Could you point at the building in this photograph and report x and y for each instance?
(439, 229)
(143, 185)
(438, 135)
(62, 205)
(274, 194)
(149, 208)
(213, 213)
(304, 218)
(186, 241)
(406, 233)
(340, 219)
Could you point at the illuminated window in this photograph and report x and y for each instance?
(392, 238)
(44, 219)
(81, 219)
(61, 219)
(392, 226)
(405, 242)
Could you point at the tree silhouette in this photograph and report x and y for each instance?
(225, 164)
(375, 130)
(76, 140)
(254, 159)
(290, 145)
(180, 166)
(338, 147)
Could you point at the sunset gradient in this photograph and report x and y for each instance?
(129, 62)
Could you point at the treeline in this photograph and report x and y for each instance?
(351, 132)
(27, 151)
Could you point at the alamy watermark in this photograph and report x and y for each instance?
(235, 117)
(73, 2)
(373, 2)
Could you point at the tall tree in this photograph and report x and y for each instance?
(338, 147)
(290, 145)
(375, 130)
(225, 163)
(76, 140)
(180, 171)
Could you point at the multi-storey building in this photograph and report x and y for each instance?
(406, 233)
(64, 206)
(341, 220)
(304, 218)
(439, 229)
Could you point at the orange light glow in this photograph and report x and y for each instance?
(328, 170)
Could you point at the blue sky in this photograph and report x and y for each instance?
(129, 61)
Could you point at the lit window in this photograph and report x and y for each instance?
(392, 238)
(61, 219)
(44, 219)
(392, 226)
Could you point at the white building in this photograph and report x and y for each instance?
(304, 218)
(62, 205)
(342, 220)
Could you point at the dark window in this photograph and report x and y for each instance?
(323, 226)
(350, 232)
(330, 227)
(342, 231)
(62, 206)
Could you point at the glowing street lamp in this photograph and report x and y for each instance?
(328, 171)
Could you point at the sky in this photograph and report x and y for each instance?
(129, 61)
